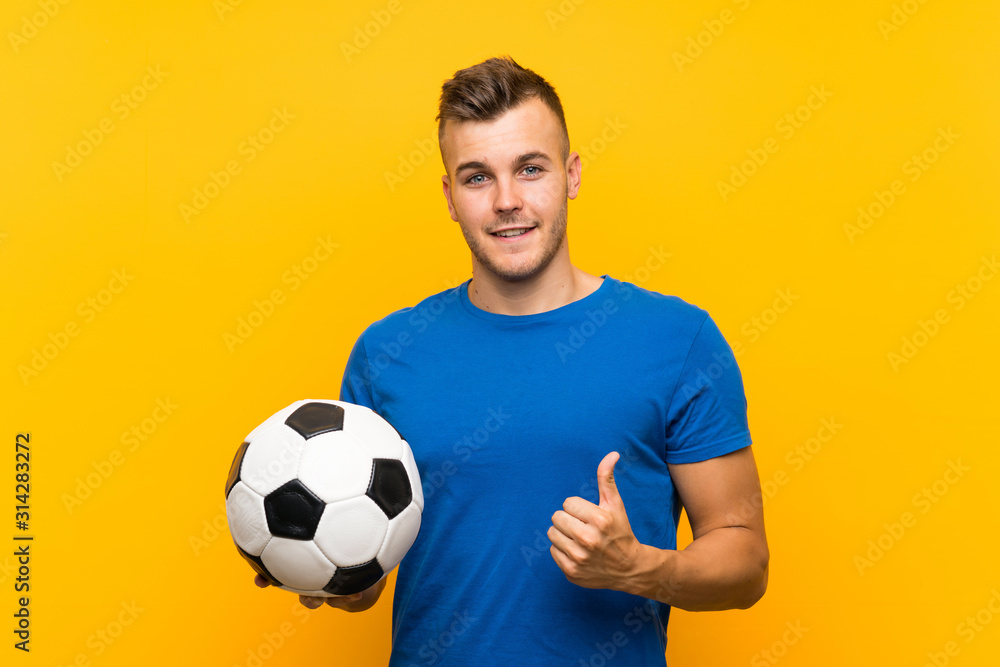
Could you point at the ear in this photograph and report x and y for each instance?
(573, 174)
(446, 183)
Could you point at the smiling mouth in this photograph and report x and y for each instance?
(512, 233)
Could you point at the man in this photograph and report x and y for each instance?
(559, 421)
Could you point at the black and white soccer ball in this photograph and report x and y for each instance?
(323, 498)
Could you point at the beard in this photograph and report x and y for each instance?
(522, 270)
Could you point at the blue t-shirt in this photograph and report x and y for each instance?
(508, 416)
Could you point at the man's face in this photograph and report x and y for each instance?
(508, 187)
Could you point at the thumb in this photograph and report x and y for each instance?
(606, 486)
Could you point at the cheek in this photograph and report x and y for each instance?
(549, 200)
(472, 203)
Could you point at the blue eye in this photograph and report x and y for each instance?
(536, 170)
(472, 179)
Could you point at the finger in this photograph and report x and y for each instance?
(261, 581)
(563, 542)
(311, 602)
(567, 523)
(579, 544)
(606, 485)
(344, 601)
(581, 509)
(562, 560)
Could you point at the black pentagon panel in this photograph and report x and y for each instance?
(293, 511)
(316, 418)
(258, 565)
(354, 579)
(389, 486)
(234, 469)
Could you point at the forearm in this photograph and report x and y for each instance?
(725, 568)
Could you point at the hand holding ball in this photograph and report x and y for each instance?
(323, 498)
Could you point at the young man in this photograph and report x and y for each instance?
(559, 421)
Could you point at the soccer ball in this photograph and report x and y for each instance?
(324, 498)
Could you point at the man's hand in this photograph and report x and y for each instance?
(357, 602)
(593, 544)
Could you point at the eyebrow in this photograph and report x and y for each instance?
(534, 156)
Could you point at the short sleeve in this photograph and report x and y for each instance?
(356, 387)
(707, 414)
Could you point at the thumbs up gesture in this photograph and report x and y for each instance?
(593, 544)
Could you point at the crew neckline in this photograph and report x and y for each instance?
(602, 291)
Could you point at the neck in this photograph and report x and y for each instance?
(558, 284)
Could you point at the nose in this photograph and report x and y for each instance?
(507, 198)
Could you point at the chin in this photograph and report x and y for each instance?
(517, 273)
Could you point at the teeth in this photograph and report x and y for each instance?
(511, 232)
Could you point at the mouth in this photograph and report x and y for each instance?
(511, 232)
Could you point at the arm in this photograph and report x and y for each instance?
(724, 567)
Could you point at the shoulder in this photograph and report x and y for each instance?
(413, 319)
(655, 306)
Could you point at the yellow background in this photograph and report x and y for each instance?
(144, 545)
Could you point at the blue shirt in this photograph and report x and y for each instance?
(508, 416)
